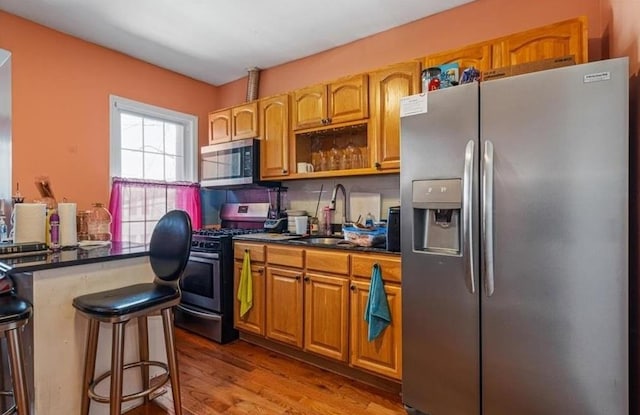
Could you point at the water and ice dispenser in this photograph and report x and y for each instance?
(437, 205)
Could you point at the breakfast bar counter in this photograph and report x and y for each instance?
(54, 339)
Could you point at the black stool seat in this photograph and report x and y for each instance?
(126, 300)
(13, 309)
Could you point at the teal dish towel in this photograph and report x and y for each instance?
(376, 313)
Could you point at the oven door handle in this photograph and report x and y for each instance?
(199, 256)
(189, 310)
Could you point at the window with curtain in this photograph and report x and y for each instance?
(153, 167)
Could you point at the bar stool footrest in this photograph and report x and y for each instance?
(14, 408)
(162, 379)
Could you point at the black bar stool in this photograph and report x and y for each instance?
(14, 314)
(168, 254)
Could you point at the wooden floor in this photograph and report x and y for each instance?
(240, 378)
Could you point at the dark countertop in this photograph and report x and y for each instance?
(72, 257)
(300, 242)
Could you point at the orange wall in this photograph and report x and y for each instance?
(473, 22)
(61, 88)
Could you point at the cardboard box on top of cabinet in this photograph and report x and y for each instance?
(522, 68)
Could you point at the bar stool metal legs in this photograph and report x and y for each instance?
(18, 378)
(14, 315)
(116, 397)
(172, 358)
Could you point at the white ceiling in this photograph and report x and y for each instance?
(217, 40)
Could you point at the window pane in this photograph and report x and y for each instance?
(153, 136)
(153, 166)
(131, 131)
(156, 205)
(131, 164)
(149, 226)
(171, 199)
(125, 232)
(170, 138)
(133, 203)
(170, 168)
(137, 232)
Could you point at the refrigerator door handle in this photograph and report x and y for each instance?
(487, 218)
(467, 221)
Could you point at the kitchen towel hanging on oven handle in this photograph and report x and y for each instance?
(245, 286)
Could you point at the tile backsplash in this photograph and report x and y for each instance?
(303, 195)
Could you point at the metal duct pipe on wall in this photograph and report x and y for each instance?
(252, 84)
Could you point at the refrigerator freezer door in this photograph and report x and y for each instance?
(440, 306)
(554, 332)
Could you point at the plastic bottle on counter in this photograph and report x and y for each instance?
(3, 229)
(326, 226)
(369, 220)
(99, 223)
(314, 226)
(54, 231)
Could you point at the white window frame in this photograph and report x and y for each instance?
(190, 123)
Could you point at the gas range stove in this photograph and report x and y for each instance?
(211, 240)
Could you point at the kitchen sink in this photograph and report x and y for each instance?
(324, 240)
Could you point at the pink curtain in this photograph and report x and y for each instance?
(145, 201)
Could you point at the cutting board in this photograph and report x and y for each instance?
(362, 203)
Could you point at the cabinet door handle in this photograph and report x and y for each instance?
(261, 271)
(284, 171)
(353, 288)
(307, 279)
(328, 120)
(378, 165)
(298, 277)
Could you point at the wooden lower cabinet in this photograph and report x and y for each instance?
(253, 321)
(326, 315)
(314, 300)
(384, 354)
(284, 305)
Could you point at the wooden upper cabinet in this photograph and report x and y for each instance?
(384, 354)
(220, 126)
(387, 87)
(309, 107)
(344, 100)
(552, 41)
(274, 132)
(284, 309)
(245, 121)
(326, 315)
(478, 56)
(348, 99)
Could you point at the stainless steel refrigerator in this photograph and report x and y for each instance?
(514, 238)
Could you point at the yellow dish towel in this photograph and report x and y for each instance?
(245, 287)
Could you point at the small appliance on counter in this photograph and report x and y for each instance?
(291, 218)
(277, 218)
(393, 229)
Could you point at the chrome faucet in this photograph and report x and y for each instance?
(332, 204)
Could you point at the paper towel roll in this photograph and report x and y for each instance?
(68, 231)
(30, 222)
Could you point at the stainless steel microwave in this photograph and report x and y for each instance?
(230, 164)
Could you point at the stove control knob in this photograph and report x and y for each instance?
(194, 243)
(209, 244)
